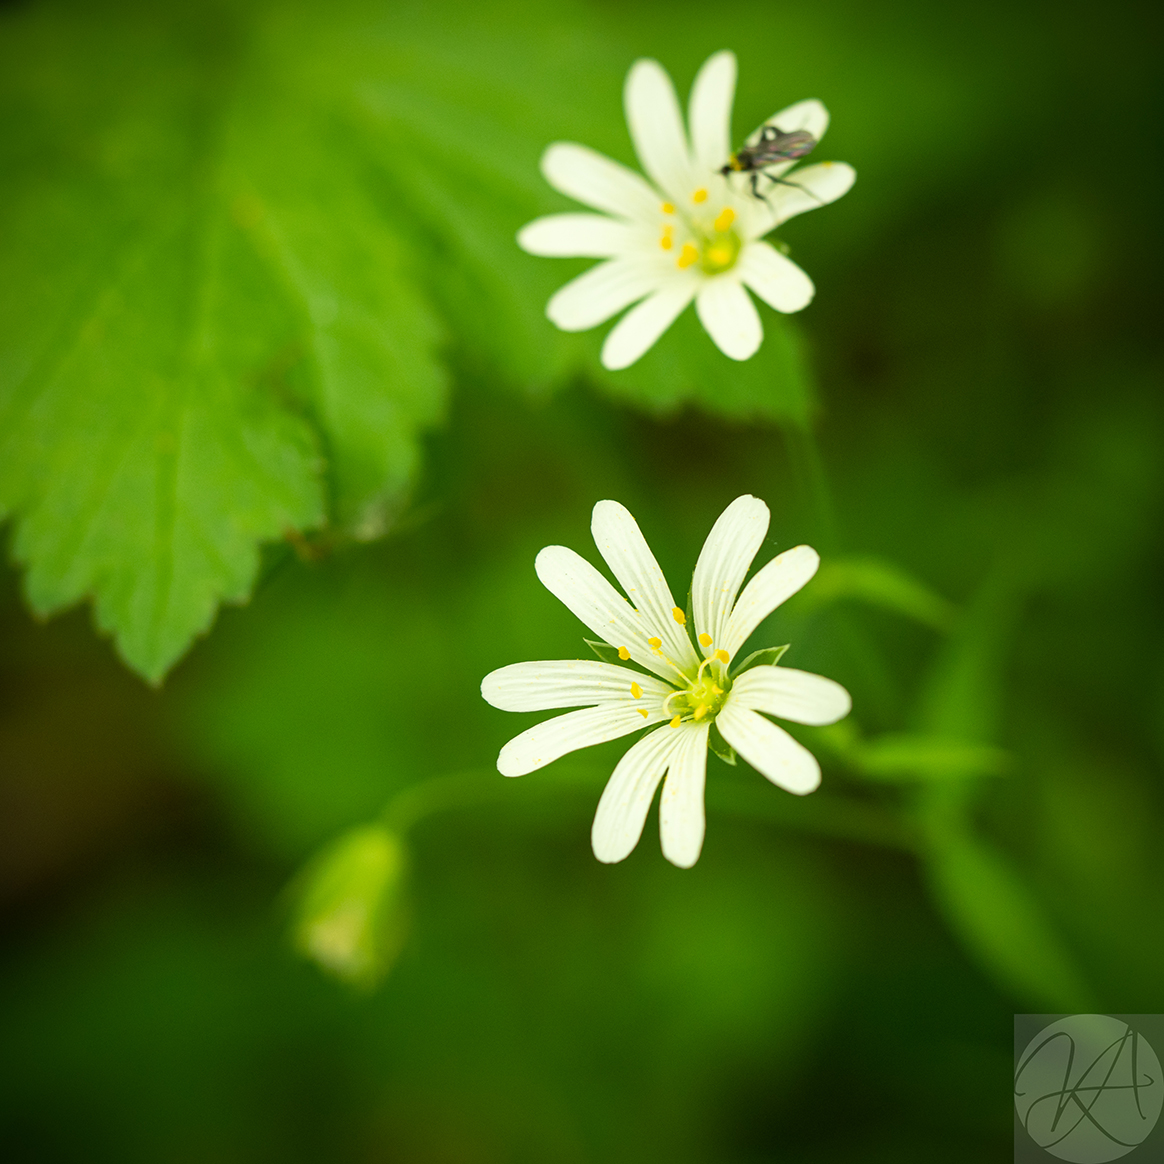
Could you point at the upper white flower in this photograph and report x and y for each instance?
(691, 684)
(694, 234)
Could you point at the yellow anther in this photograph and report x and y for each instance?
(678, 616)
(700, 195)
(668, 208)
(623, 654)
(722, 655)
(676, 721)
(726, 217)
(642, 713)
(701, 711)
(705, 639)
(666, 242)
(688, 255)
(655, 644)
(636, 691)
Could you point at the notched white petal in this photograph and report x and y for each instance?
(681, 815)
(786, 693)
(710, 111)
(588, 236)
(656, 128)
(724, 562)
(625, 550)
(768, 748)
(585, 592)
(775, 583)
(555, 683)
(776, 279)
(626, 800)
(549, 741)
(730, 317)
(809, 188)
(593, 179)
(638, 330)
(601, 292)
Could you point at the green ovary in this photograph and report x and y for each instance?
(703, 700)
(720, 252)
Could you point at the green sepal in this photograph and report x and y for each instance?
(604, 651)
(721, 747)
(766, 657)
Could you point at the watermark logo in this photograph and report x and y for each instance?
(1088, 1088)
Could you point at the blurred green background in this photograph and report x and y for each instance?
(966, 423)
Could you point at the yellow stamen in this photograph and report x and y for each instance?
(642, 713)
(700, 195)
(636, 691)
(701, 711)
(655, 643)
(668, 208)
(666, 242)
(726, 217)
(675, 722)
(678, 616)
(705, 639)
(623, 654)
(722, 655)
(688, 255)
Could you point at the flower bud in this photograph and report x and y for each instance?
(350, 917)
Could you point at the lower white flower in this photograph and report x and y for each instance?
(693, 232)
(686, 686)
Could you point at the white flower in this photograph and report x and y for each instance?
(691, 685)
(694, 234)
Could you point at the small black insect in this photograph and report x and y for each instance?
(774, 146)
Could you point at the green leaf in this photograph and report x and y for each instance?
(878, 583)
(765, 657)
(208, 337)
(985, 899)
(996, 914)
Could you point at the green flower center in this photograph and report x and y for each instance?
(711, 242)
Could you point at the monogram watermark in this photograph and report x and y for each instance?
(1087, 1088)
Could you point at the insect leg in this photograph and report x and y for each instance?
(795, 186)
(756, 187)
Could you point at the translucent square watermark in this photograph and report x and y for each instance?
(1088, 1088)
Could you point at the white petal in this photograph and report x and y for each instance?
(569, 683)
(582, 589)
(549, 741)
(808, 188)
(601, 292)
(622, 545)
(710, 111)
(626, 800)
(637, 331)
(769, 749)
(776, 279)
(681, 820)
(588, 177)
(656, 127)
(723, 564)
(777, 581)
(590, 236)
(730, 316)
(789, 694)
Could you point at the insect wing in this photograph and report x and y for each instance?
(775, 146)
